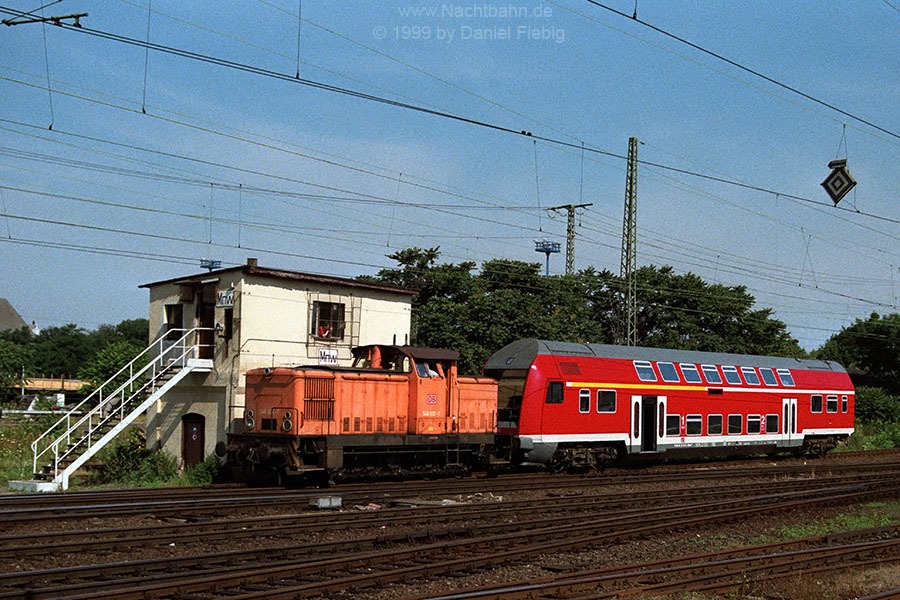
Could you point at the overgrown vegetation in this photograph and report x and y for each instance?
(128, 461)
(877, 421)
(16, 435)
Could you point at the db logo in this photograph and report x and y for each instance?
(431, 399)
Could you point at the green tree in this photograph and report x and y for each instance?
(14, 359)
(871, 345)
(61, 350)
(108, 361)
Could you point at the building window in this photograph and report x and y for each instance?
(673, 425)
(328, 320)
(584, 401)
(815, 404)
(555, 392)
(606, 401)
(228, 326)
(694, 424)
(714, 425)
(174, 321)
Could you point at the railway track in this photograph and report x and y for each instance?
(304, 570)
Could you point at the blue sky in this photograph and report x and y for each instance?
(155, 160)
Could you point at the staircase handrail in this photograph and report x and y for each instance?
(164, 355)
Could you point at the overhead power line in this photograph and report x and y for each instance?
(746, 69)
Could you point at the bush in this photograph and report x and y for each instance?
(128, 461)
(874, 405)
(207, 472)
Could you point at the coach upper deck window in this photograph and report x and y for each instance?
(668, 372)
(786, 377)
(644, 370)
(555, 392)
(712, 374)
(606, 401)
(750, 375)
(690, 372)
(831, 404)
(815, 403)
(584, 401)
(768, 376)
(731, 375)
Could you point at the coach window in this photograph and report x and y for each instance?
(771, 423)
(668, 372)
(831, 404)
(750, 375)
(786, 378)
(843, 404)
(735, 424)
(606, 401)
(754, 424)
(815, 404)
(731, 375)
(714, 425)
(712, 374)
(555, 392)
(768, 376)
(644, 370)
(673, 425)
(690, 372)
(584, 401)
(694, 425)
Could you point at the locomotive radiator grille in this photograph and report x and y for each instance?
(318, 410)
(319, 388)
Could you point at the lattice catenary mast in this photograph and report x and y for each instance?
(629, 246)
(570, 232)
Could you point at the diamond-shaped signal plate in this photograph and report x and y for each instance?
(838, 183)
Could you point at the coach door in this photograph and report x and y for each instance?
(643, 423)
(789, 420)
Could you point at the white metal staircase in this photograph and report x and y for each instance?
(107, 411)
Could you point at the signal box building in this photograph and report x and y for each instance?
(247, 317)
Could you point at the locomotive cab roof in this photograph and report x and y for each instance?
(417, 353)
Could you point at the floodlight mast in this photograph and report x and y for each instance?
(548, 248)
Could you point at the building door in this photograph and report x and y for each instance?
(206, 319)
(192, 440)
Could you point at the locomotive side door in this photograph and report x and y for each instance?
(789, 421)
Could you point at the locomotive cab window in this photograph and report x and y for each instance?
(815, 403)
(831, 404)
(668, 372)
(768, 376)
(606, 401)
(673, 425)
(644, 370)
(712, 374)
(786, 378)
(750, 375)
(731, 375)
(690, 372)
(714, 425)
(694, 424)
(584, 401)
(555, 392)
(735, 424)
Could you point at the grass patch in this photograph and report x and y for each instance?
(873, 514)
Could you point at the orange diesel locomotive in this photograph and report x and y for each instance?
(397, 409)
